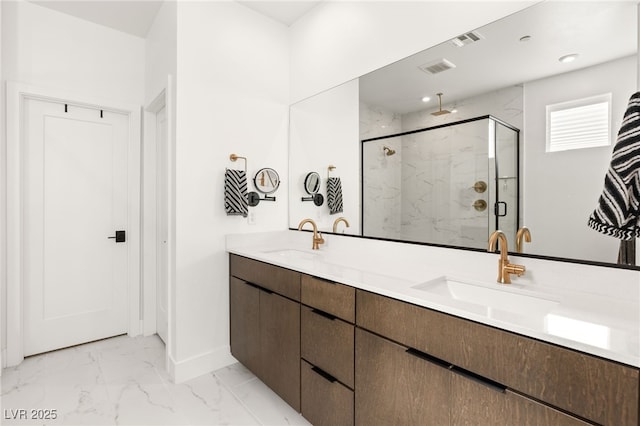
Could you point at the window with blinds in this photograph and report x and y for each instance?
(582, 123)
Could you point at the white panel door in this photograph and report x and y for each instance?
(75, 197)
(162, 292)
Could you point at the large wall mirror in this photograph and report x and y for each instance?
(449, 144)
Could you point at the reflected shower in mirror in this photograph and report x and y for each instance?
(428, 194)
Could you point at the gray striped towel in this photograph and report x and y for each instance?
(334, 195)
(618, 210)
(235, 193)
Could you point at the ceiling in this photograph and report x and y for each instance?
(599, 31)
(132, 17)
(136, 16)
(286, 12)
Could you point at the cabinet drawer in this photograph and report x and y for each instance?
(325, 402)
(473, 403)
(328, 344)
(336, 299)
(599, 390)
(279, 280)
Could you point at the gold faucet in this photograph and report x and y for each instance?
(317, 236)
(335, 223)
(505, 269)
(522, 233)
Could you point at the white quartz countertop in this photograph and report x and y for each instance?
(564, 304)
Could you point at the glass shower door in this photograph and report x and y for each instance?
(506, 206)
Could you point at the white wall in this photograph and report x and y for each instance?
(160, 50)
(339, 41)
(232, 97)
(50, 49)
(44, 48)
(323, 132)
(565, 188)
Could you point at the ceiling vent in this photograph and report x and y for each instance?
(438, 66)
(467, 38)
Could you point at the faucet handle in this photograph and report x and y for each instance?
(511, 268)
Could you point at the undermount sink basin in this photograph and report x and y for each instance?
(492, 296)
(293, 254)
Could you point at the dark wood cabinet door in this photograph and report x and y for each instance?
(244, 308)
(476, 404)
(280, 346)
(394, 387)
(324, 402)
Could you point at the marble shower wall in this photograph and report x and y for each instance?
(438, 174)
(424, 192)
(382, 178)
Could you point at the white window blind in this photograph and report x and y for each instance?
(583, 123)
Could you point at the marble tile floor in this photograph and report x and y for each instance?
(122, 381)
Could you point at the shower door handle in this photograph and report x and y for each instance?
(496, 209)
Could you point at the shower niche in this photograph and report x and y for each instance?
(451, 184)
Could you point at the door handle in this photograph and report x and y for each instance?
(496, 209)
(120, 237)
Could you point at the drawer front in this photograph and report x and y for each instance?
(325, 403)
(599, 390)
(328, 344)
(279, 280)
(473, 403)
(336, 299)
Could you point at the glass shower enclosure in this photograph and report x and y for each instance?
(450, 185)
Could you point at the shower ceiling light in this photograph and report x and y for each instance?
(426, 99)
(568, 58)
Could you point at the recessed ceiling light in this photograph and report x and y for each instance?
(426, 99)
(568, 58)
(453, 111)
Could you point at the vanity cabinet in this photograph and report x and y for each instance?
(564, 380)
(327, 350)
(265, 324)
(342, 356)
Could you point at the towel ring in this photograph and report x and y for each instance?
(234, 157)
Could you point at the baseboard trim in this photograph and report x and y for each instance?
(198, 365)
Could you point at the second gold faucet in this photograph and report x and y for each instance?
(505, 269)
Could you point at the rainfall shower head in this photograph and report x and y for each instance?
(388, 151)
(440, 111)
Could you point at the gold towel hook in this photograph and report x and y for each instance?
(330, 169)
(234, 157)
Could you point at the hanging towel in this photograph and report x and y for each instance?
(235, 193)
(618, 211)
(334, 195)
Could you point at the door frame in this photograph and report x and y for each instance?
(151, 207)
(17, 93)
(164, 98)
